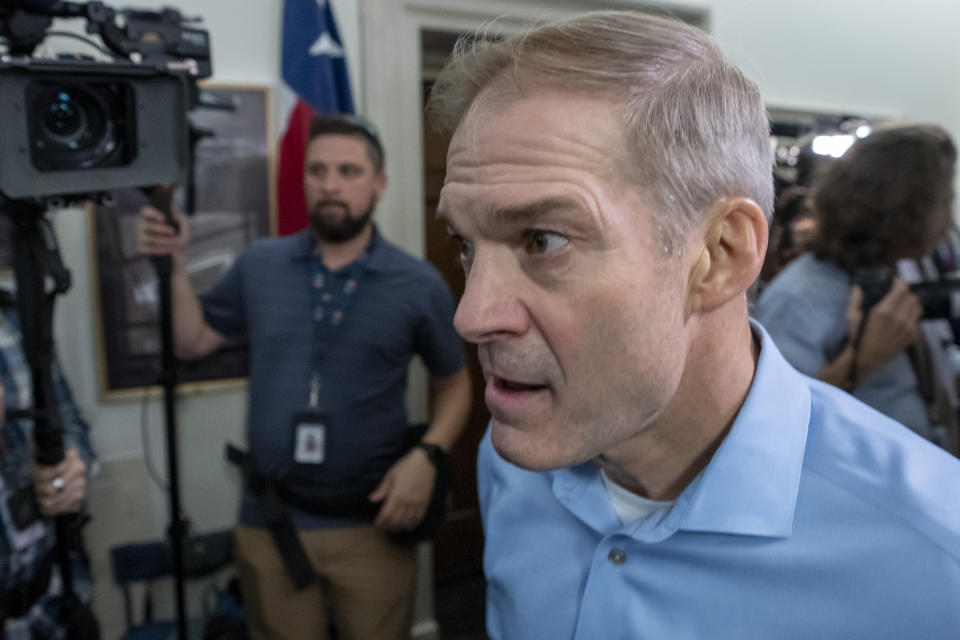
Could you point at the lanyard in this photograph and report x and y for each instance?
(331, 294)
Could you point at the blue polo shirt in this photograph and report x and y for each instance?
(402, 307)
(817, 517)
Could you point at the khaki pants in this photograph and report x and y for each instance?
(366, 580)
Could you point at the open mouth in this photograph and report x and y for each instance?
(510, 400)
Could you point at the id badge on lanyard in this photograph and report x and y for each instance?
(330, 300)
(310, 430)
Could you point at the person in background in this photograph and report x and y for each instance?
(654, 467)
(792, 231)
(841, 313)
(30, 585)
(333, 315)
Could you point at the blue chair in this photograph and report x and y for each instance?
(145, 563)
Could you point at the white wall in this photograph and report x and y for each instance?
(864, 56)
(872, 56)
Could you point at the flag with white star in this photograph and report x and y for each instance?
(315, 68)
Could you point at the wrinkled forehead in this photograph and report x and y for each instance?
(544, 158)
(546, 124)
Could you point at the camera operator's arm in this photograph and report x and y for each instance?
(193, 337)
(890, 328)
(62, 488)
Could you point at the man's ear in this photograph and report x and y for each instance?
(731, 252)
(380, 184)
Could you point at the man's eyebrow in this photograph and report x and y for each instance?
(336, 163)
(526, 213)
(531, 212)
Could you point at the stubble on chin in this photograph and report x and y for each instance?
(537, 447)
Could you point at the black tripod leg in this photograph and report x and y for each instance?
(160, 198)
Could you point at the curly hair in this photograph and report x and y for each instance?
(886, 198)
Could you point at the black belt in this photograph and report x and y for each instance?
(275, 496)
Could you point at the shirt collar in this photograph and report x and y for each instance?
(304, 244)
(750, 485)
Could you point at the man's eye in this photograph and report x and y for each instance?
(540, 241)
(464, 250)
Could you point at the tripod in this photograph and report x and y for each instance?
(160, 198)
(37, 258)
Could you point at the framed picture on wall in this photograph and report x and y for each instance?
(234, 204)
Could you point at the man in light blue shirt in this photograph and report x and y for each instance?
(817, 517)
(654, 468)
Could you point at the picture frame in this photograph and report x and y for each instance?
(235, 203)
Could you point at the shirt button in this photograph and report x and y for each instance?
(617, 556)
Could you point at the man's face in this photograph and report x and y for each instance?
(577, 313)
(341, 186)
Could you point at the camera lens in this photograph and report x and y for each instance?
(76, 125)
(64, 119)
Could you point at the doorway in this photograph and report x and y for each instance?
(458, 546)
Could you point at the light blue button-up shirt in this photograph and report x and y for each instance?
(817, 517)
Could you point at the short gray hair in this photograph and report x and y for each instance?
(697, 130)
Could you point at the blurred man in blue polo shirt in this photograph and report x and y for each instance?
(334, 315)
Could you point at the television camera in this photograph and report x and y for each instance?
(77, 127)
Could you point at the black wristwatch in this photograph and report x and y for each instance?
(436, 455)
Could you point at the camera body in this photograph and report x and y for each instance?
(939, 298)
(78, 127)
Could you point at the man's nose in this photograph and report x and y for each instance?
(331, 183)
(490, 308)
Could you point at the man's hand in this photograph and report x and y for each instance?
(405, 491)
(62, 488)
(156, 237)
(891, 326)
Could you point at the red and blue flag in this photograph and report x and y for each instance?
(315, 68)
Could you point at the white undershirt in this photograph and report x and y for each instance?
(628, 506)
